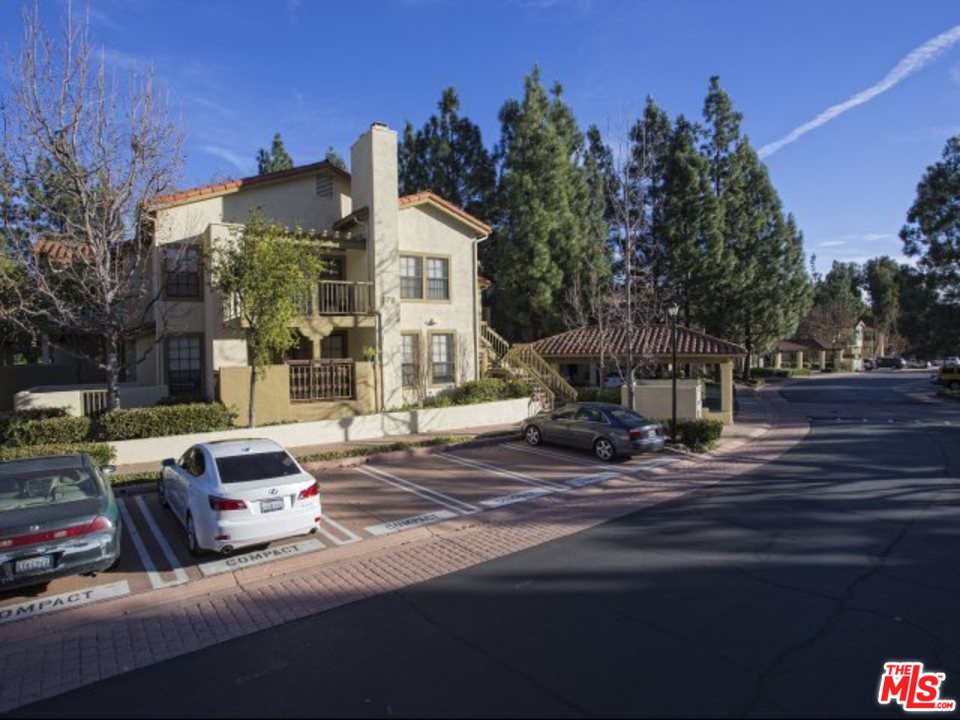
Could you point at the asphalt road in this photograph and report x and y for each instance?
(780, 593)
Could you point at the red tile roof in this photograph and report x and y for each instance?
(426, 196)
(651, 340)
(220, 188)
(60, 250)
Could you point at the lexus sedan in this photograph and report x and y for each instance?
(58, 517)
(232, 494)
(606, 429)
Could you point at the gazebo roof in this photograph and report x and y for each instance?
(650, 340)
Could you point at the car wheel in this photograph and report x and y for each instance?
(162, 493)
(604, 449)
(192, 545)
(533, 435)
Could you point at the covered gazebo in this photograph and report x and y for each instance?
(575, 354)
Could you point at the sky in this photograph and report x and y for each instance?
(849, 101)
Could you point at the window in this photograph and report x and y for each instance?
(182, 269)
(438, 278)
(411, 276)
(589, 414)
(334, 346)
(332, 268)
(184, 366)
(410, 359)
(193, 462)
(441, 355)
(258, 466)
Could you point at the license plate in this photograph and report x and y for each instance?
(271, 505)
(44, 562)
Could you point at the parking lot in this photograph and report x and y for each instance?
(359, 503)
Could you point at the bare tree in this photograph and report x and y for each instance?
(81, 159)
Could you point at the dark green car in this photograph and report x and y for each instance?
(58, 516)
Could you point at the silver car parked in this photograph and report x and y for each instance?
(606, 429)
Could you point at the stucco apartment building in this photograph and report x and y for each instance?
(397, 306)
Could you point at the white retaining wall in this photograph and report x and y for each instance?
(358, 427)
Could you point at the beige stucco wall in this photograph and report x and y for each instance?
(425, 229)
(273, 396)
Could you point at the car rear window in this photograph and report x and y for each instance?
(258, 466)
(47, 487)
(630, 418)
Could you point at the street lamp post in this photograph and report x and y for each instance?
(672, 312)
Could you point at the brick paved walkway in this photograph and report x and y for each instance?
(56, 653)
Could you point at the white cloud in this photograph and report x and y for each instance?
(914, 61)
(243, 163)
(831, 243)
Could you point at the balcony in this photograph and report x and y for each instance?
(337, 297)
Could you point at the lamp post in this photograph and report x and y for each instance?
(672, 312)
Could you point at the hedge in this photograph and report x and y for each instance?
(102, 453)
(783, 373)
(135, 423)
(699, 435)
(11, 420)
(480, 391)
(49, 431)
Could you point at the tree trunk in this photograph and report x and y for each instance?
(112, 372)
(251, 416)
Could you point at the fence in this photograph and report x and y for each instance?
(313, 380)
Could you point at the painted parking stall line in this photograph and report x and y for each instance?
(64, 601)
(259, 557)
(178, 572)
(559, 456)
(348, 535)
(434, 496)
(410, 522)
(148, 565)
(502, 472)
(514, 498)
(585, 480)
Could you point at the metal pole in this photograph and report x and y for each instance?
(673, 427)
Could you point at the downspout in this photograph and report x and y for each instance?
(476, 314)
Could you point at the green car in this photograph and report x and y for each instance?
(58, 516)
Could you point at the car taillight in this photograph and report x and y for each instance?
(309, 492)
(219, 504)
(636, 433)
(99, 524)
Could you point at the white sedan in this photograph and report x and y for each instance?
(236, 493)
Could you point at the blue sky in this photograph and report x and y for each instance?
(320, 72)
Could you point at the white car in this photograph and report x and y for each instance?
(236, 493)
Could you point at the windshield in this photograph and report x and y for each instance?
(259, 466)
(47, 487)
(630, 418)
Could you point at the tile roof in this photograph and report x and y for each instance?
(426, 196)
(651, 340)
(221, 188)
(789, 346)
(60, 250)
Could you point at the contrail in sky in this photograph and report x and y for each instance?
(911, 63)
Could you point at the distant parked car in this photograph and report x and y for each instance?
(894, 363)
(868, 364)
(58, 517)
(608, 430)
(951, 362)
(237, 493)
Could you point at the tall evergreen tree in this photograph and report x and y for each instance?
(550, 216)
(447, 156)
(335, 158)
(881, 280)
(274, 159)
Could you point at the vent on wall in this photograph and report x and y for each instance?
(324, 185)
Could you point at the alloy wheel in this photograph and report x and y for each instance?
(603, 449)
(533, 435)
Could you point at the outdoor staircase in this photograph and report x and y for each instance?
(522, 361)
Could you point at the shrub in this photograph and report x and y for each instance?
(481, 391)
(177, 400)
(102, 453)
(11, 420)
(598, 394)
(779, 373)
(699, 435)
(164, 420)
(49, 431)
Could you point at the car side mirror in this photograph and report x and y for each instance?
(167, 462)
(107, 469)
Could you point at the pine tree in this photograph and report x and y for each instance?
(447, 156)
(881, 280)
(335, 158)
(550, 213)
(274, 159)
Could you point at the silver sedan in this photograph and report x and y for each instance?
(607, 430)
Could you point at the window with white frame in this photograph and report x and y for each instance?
(411, 277)
(443, 368)
(438, 278)
(410, 359)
